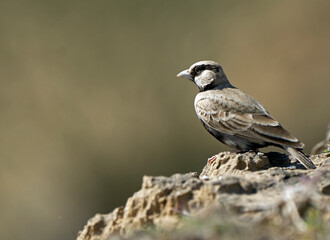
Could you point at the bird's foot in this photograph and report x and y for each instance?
(211, 160)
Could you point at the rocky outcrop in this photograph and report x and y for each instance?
(265, 191)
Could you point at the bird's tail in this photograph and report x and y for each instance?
(301, 157)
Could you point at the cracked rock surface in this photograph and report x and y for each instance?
(269, 193)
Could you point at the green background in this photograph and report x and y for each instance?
(90, 101)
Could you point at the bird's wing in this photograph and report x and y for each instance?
(218, 116)
(247, 119)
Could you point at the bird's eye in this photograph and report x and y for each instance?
(198, 69)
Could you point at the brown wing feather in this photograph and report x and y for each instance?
(254, 125)
(223, 120)
(271, 131)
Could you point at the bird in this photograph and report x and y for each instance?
(235, 118)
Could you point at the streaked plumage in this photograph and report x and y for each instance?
(234, 117)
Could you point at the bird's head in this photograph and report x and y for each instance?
(206, 75)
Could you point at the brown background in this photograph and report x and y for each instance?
(90, 102)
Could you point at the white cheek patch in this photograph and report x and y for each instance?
(205, 78)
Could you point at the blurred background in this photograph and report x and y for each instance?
(90, 101)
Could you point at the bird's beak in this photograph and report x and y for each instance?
(185, 74)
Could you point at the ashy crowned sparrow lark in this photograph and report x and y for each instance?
(234, 117)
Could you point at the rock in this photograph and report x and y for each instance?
(245, 187)
(227, 163)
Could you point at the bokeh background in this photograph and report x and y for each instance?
(90, 101)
